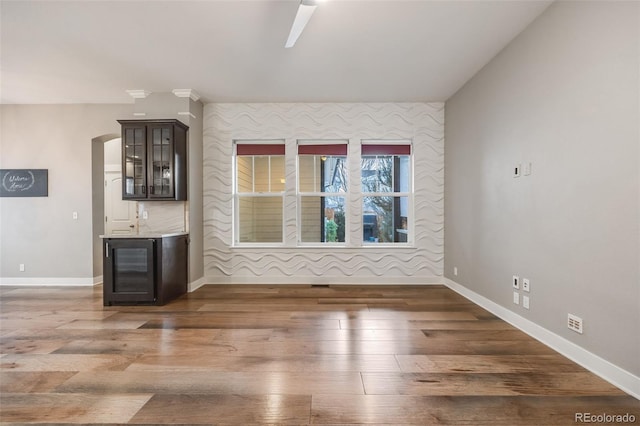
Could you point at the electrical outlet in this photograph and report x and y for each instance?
(455, 271)
(22, 267)
(574, 323)
(516, 281)
(525, 302)
(75, 215)
(516, 297)
(516, 170)
(526, 169)
(145, 214)
(526, 285)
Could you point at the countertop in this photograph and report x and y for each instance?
(146, 236)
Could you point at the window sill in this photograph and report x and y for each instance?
(326, 247)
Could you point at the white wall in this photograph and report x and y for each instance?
(564, 95)
(420, 122)
(113, 154)
(40, 232)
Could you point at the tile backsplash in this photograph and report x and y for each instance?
(163, 216)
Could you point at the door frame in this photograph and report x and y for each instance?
(97, 201)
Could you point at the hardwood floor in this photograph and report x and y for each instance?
(283, 355)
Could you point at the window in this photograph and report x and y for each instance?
(323, 200)
(259, 192)
(322, 190)
(386, 191)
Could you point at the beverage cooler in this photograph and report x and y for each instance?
(150, 270)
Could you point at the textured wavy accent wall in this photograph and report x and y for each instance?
(422, 263)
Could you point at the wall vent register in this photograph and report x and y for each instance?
(574, 323)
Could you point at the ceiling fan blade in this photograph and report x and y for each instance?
(305, 10)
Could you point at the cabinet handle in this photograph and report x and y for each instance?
(106, 245)
(144, 189)
(151, 190)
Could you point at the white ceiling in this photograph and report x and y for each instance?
(233, 51)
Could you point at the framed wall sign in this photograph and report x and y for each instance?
(24, 182)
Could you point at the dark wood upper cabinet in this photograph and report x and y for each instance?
(154, 160)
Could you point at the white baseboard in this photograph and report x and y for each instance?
(324, 280)
(193, 286)
(599, 366)
(48, 281)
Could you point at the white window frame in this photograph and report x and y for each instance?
(237, 195)
(300, 194)
(409, 194)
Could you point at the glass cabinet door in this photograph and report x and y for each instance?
(134, 153)
(161, 151)
(131, 269)
(154, 160)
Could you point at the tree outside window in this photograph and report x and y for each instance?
(386, 188)
(322, 191)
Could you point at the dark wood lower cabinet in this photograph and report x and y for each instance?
(149, 271)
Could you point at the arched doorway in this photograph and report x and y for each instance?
(97, 200)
